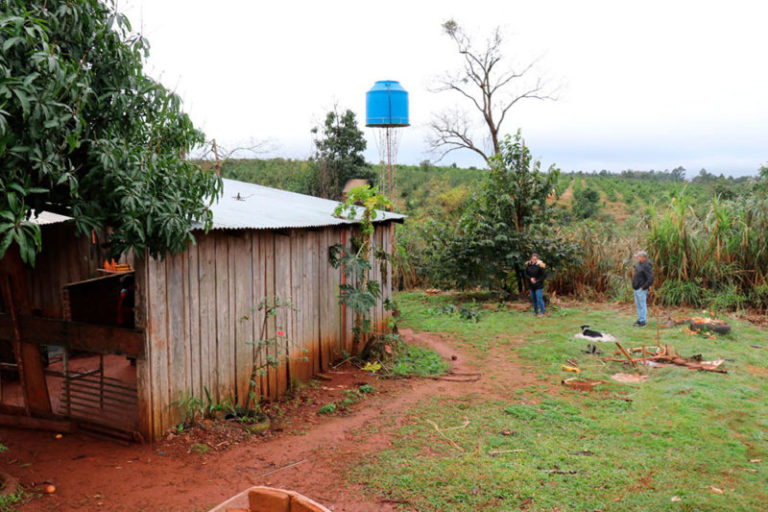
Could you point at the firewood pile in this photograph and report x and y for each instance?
(664, 355)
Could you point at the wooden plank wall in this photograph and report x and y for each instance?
(202, 317)
(65, 258)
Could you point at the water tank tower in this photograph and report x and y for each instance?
(386, 108)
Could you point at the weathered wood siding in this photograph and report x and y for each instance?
(202, 318)
(65, 258)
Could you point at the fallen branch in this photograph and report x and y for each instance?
(626, 354)
(302, 461)
(459, 377)
(446, 437)
(499, 452)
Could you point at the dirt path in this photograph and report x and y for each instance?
(92, 474)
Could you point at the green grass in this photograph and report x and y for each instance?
(418, 361)
(10, 502)
(682, 431)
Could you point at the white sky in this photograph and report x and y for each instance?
(652, 84)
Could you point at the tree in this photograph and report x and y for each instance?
(489, 86)
(339, 156)
(84, 132)
(761, 184)
(507, 220)
(678, 174)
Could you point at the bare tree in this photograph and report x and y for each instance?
(490, 87)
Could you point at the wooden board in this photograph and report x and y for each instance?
(225, 356)
(208, 311)
(178, 337)
(157, 355)
(243, 317)
(314, 310)
(192, 313)
(143, 367)
(270, 256)
(284, 318)
(258, 269)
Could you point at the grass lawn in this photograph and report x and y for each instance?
(683, 440)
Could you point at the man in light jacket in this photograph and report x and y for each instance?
(642, 280)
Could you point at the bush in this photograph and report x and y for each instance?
(586, 203)
(682, 293)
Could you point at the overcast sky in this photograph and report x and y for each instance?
(649, 85)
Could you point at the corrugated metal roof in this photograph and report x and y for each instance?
(249, 206)
(43, 218)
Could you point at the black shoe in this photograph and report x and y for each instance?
(639, 324)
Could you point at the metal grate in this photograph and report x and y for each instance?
(98, 403)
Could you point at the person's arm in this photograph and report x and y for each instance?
(649, 277)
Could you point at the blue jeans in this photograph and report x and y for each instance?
(642, 308)
(537, 297)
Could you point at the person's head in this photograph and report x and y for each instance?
(534, 258)
(128, 282)
(641, 256)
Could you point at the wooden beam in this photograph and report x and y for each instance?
(53, 425)
(29, 360)
(100, 339)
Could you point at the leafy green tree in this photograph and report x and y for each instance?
(678, 174)
(761, 185)
(507, 220)
(339, 155)
(84, 132)
(518, 189)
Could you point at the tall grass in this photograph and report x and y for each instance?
(603, 266)
(717, 256)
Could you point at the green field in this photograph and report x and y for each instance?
(683, 440)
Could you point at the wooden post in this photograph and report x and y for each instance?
(28, 358)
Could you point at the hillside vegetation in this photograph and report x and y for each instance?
(705, 235)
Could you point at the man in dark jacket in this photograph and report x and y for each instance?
(642, 280)
(535, 271)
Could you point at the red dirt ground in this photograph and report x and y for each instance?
(94, 474)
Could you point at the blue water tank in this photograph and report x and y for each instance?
(386, 104)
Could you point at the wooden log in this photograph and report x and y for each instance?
(626, 354)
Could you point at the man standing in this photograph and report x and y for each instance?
(536, 273)
(642, 280)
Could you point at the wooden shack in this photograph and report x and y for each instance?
(196, 313)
